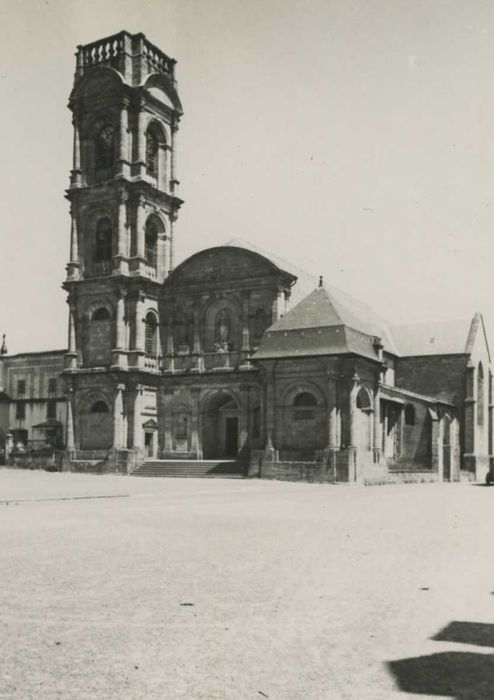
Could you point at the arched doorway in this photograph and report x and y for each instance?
(220, 426)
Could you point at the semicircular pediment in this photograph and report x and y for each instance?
(222, 264)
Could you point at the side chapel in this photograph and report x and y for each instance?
(232, 356)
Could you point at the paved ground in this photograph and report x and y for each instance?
(243, 589)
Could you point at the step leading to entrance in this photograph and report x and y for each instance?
(200, 468)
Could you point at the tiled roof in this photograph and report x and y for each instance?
(326, 322)
(434, 338)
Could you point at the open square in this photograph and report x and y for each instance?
(181, 588)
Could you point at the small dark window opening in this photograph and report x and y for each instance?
(105, 148)
(52, 386)
(101, 314)
(20, 410)
(103, 241)
(99, 407)
(409, 414)
(51, 409)
(21, 387)
(304, 404)
(151, 244)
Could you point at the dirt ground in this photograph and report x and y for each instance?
(121, 587)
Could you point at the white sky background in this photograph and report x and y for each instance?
(355, 139)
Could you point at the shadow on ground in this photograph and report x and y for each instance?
(457, 674)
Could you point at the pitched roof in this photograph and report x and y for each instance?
(435, 338)
(326, 322)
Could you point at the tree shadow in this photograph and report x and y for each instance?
(457, 674)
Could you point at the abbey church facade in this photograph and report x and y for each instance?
(232, 357)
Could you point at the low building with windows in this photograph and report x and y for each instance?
(233, 356)
(32, 406)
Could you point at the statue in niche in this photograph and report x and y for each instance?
(223, 331)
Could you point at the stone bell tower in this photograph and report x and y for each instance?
(123, 205)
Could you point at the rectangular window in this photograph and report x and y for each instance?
(21, 387)
(51, 409)
(20, 410)
(52, 386)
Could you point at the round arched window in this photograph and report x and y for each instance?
(151, 243)
(101, 314)
(151, 335)
(304, 405)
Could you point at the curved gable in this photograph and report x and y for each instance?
(222, 264)
(95, 82)
(161, 88)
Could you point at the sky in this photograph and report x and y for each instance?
(354, 139)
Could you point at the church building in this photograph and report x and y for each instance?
(233, 361)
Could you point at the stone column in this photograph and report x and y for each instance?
(121, 258)
(119, 352)
(270, 413)
(244, 418)
(352, 412)
(124, 142)
(377, 425)
(168, 421)
(139, 323)
(141, 228)
(162, 179)
(491, 418)
(198, 362)
(174, 183)
(353, 466)
(470, 426)
(75, 178)
(69, 437)
(71, 361)
(195, 439)
(332, 417)
(120, 321)
(141, 140)
(245, 350)
(122, 246)
(171, 251)
(137, 420)
(118, 418)
(74, 265)
(333, 441)
(440, 443)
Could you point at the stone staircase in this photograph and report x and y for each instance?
(184, 468)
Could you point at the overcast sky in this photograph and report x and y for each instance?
(354, 139)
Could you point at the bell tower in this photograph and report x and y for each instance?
(123, 206)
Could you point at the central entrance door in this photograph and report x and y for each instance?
(149, 444)
(231, 436)
(219, 426)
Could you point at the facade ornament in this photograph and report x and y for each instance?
(3, 349)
